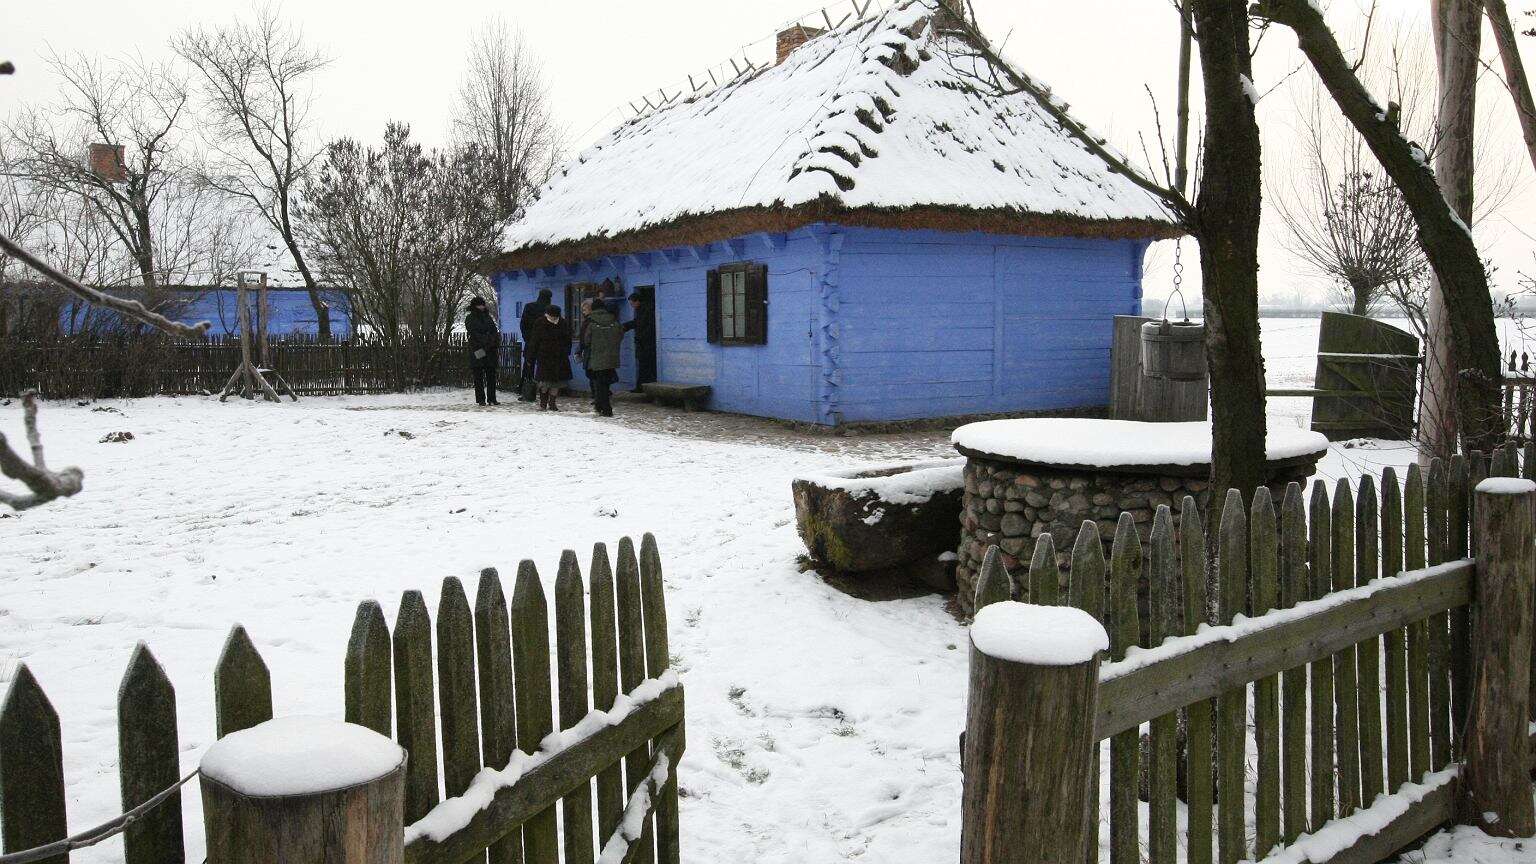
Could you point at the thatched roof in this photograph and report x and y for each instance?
(887, 122)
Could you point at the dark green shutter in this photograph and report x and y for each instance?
(712, 306)
(757, 305)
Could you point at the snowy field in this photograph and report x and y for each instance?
(821, 728)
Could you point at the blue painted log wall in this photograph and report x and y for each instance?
(773, 380)
(870, 325)
(939, 324)
(289, 309)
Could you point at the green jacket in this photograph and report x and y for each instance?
(604, 335)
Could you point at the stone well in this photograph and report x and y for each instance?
(1029, 477)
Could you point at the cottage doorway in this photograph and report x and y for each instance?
(645, 335)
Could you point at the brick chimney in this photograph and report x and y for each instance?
(793, 37)
(952, 14)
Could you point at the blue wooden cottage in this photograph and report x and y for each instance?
(870, 230)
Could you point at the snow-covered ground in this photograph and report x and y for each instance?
(821, 728)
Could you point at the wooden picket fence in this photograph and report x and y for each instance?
(134, 365)
(1328, 733)
(493, 695)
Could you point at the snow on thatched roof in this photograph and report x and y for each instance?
(885, 122)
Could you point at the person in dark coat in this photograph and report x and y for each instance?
(533, 313)
(550, 347)
(602, 335)
(484, 345)
(643, 324)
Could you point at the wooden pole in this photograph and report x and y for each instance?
(245, 342)
(1029, 740)
(265, 315)
(1496, 788)
(303, 789)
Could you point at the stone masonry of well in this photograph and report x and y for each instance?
(1010, 506)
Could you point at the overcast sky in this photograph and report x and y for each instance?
(403, 62)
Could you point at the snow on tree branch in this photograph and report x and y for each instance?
(44, 485)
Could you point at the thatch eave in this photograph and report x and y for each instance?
(715, 227)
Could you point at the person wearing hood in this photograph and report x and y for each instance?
(602, 335)
(533, 313)
(484, 344)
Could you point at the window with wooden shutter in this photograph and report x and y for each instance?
(757, 305)
(712, 306)
(738, 304)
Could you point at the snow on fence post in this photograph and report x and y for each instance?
(304, 789)
(1028, 754)
(1496, 791)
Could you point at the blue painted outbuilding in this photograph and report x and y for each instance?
(289, 311)
(864, 232)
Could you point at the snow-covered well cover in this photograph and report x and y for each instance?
(909, 484)
(883, 113)
(1038, 635)
(1117, 443)
(299, 756)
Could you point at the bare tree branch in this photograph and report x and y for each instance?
(45, 485)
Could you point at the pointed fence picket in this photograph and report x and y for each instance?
(1349, 699)
(484, 691)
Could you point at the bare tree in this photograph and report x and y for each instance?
(503, 109)
(256, 79)
(43, 483)
(1473, 362)
(131, 104)
(1342, 215)
(398, 228)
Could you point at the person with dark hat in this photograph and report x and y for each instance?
(644, 326)
(533, 313)
(484, 345)
(550, 347)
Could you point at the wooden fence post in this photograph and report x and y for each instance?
(1029, 740)
(304, 789)
(1496, 789)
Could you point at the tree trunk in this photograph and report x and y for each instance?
(322, 311)
(1445, 236)
(1360, 292)
(1514, 72)
(1227, 220)
(1457, 26)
